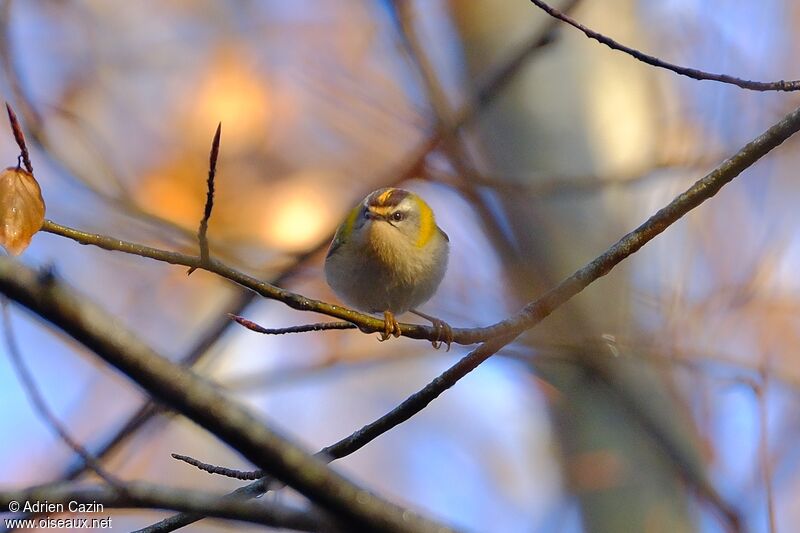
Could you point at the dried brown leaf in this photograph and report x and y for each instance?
(21, 209)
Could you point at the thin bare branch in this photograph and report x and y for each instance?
(202, 231)
(693, 73)
(305, 328)
(243, 475)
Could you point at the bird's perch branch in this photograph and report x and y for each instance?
(532, 313)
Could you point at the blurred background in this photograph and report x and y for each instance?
(663, 398)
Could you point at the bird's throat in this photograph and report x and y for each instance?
(386, 243)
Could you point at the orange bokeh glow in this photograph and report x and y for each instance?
(299, 213)
(235, 94)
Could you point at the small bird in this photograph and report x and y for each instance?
(389, 256)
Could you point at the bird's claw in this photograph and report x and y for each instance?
(444, 333)
(390, 326)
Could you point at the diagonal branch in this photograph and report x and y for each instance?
(352, 443)
(693, 73)
(537, 310)
(202, 403)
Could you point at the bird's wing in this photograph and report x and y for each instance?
(344, 231)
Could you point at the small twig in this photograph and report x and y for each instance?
(202, 231)
(693, 73)
(220, 470)
(319, 326)
(20, 138)
(39, 404)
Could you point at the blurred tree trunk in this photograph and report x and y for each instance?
(578, 109)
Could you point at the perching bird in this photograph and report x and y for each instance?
(389, 256)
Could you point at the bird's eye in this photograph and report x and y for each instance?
(397, 216)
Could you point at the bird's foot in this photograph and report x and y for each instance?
(390, 326)
(444, 333)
